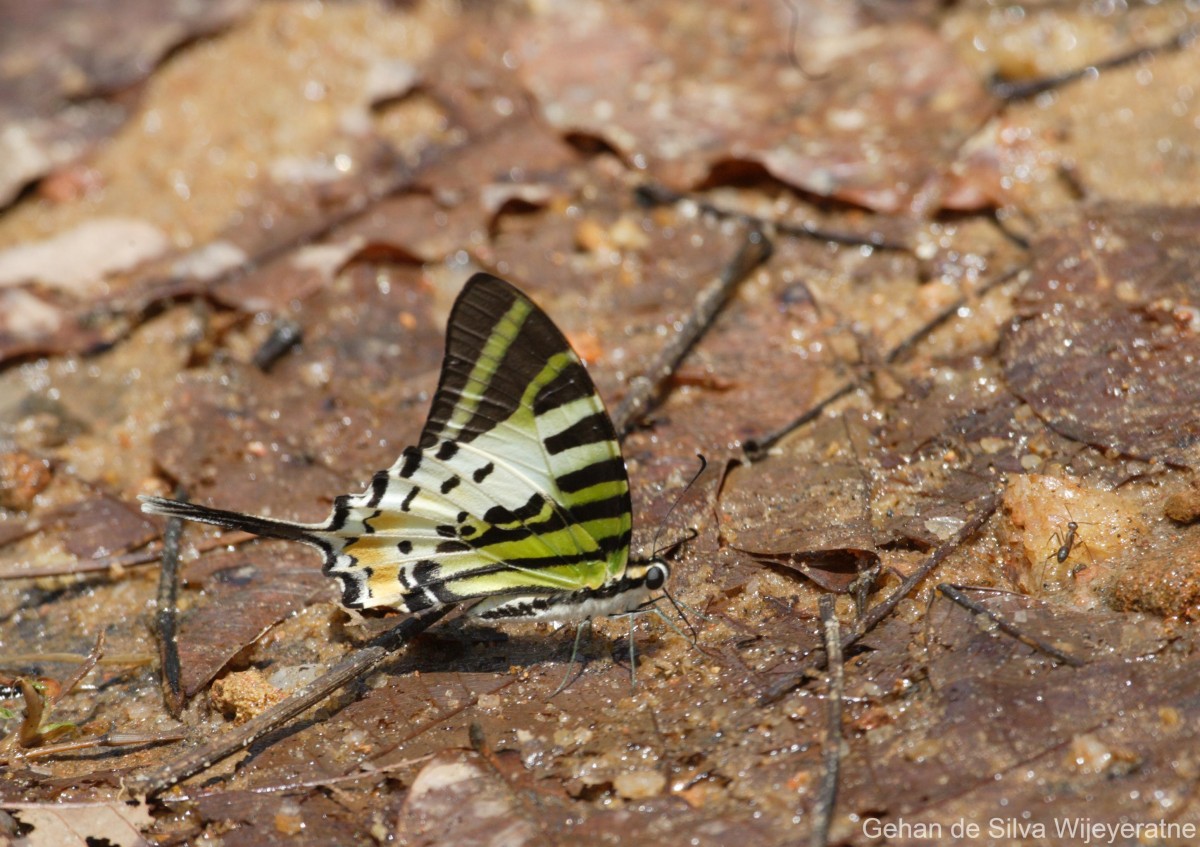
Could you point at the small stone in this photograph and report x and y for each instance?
(288, 820)
(992, 446)
(1088, 754)
(244, 695)
(640, 785)
(22, 477)
(1183, 506)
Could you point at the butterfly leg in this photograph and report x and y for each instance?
(586, 622)
(632, 655)
(690, 639)
(693, 640)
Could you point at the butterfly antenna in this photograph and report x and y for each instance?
(682, 616)
(662, 525)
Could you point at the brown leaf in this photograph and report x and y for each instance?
(866, 130)
(99, 527)
(248, 592)
(459, 797)
(83, 824)
(789, 504)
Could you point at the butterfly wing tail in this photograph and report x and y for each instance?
(266, 527)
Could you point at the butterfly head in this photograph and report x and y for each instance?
(644, 577)
(657, 572)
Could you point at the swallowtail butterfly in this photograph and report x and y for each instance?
(516, 494)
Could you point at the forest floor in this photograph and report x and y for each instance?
(230, 236)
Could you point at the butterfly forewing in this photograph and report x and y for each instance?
(517, 485)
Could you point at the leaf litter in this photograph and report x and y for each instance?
(488, 137)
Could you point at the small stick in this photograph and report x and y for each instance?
(148, 555)
(167, 617)
(135, 660)
(957, 596)
(1027, 89)
(653, 194)
(285, 335)
(831, 746)
(358, 663)
(83, 670)
(878, 612)
(373, 771)
(757, 448)
(109, 740)
(905, 347)
(642, 389)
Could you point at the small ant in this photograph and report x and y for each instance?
(1067, 543)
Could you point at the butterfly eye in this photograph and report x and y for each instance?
(656, 576)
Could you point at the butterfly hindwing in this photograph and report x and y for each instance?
(517, 486)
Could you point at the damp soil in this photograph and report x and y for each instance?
(229, 242)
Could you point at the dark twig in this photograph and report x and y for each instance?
(906, 346)
(783, 686)
(167, 617)
(643, 389)
(375, 772)
(652, 194)
(757, 448)
(831, 746)
(285, 335)
(357, 664)
(111, 739)
(957, 596)
(1026, 89)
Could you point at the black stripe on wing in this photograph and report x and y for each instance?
(474, 321)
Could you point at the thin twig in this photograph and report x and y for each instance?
(135, 660)
(957, 596)
(643, 389)
(783, 686)
(358, 663)
(653, 194)
(109, 740)
(371, 771)
(285, 335)
(757, 448)
(148, 555)
(1025, 89)
(831, 746)
(83, 670)
(167, 618)
(906, 346)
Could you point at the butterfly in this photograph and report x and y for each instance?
(516, 494)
